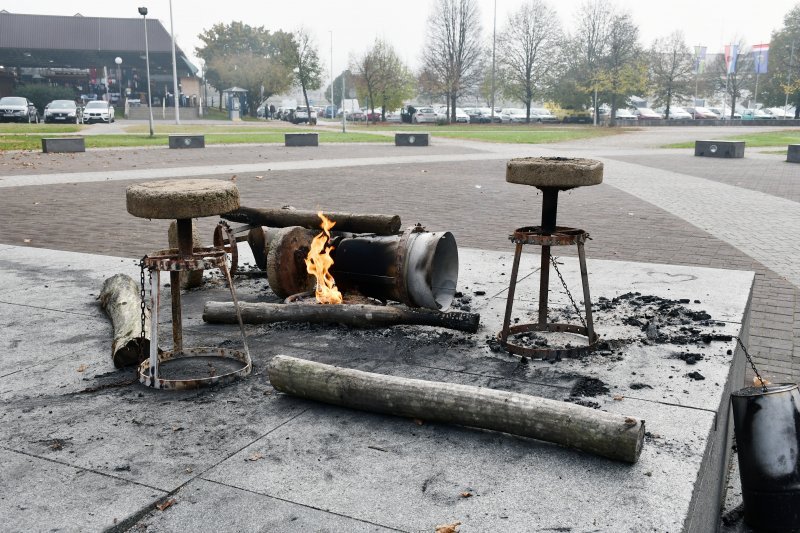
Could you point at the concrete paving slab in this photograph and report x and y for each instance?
(242, 510)
(41, 495)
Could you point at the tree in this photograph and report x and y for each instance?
(383, 77)
(528, 51)
(586, 49)
(368, 73)
(735, 83)
(452, 55)
(350, 82)
(623, 71)
(781, 85)
(244, 55)
(299, 53)
(671, 68)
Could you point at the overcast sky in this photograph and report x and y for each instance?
(356, 23)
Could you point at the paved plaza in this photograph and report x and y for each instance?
(655, 205)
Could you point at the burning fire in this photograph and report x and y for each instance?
(319, 262)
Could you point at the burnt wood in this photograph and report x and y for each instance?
(284, 218)
(609, 435)
(355, 315)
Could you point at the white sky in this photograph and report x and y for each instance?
(356, 23)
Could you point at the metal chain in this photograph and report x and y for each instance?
(143, 305)
(569, 294)
(752, 365)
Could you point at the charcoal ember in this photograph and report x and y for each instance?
(494, 345)
(479, 293)
(697, 376)
(652, 331)
(689, 358)
(582, 402)
(632, 321)
(639, 386)
(708, 338)
(589, 387)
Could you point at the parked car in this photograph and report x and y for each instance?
(375, 116)
(726, 115)
(18, 109)
(778, 112)
(578, 117)
(63, 111)
(678, 113)
(301, 115)
(330, 111)
(702, 113)
(540, 114)
(756, 114)
(513, 115)
(98, 111)
(623, 115)
(394, 116)
(425, 115)
(645, 113)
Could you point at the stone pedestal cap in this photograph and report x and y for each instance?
(182, 198)
(558, 172)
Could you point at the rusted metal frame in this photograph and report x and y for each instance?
(550, 354)
(174, 260)
(229, 244)
(549, 212)
(512, 287)
(587, 298)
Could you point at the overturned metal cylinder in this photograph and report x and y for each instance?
(417, 268)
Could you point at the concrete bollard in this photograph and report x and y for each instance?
(727, 149)
(793, 154)
(187, 141)
(301, 139)
(411, 139)
(63, 144)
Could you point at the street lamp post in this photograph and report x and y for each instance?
(143, 13)
(333, 106)
(118, 61)
(174, 68)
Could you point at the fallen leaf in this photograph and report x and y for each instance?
(448, 528)
(166, 504)
(82, 368)
(259, 177)
(759, 382)
(255, 457)
(423, 171)
(233, 178)
(630, 421)
(26, 241)
(466, 494)
(418, 422)
(177, 428)
(618, 398)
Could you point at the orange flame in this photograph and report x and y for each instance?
(319, 262)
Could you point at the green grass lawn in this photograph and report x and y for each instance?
(755, 140)
(39, 128)
(34, 141)
(528, 135)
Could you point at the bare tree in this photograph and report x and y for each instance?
(623, 71)
(368, 73)
(671, 68)
(589, 44)
(299, 52)
(528, 49)
(383, 76)
(740, 79)
(453, 47)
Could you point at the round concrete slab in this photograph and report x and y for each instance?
(192, 198)
(558, 172)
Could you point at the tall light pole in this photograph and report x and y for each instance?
(118, 61)
(494, 33)
(174, 68)
(143, 13)
(333, 106)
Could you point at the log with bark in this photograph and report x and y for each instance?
(348, 222)
(356, 315)
(121, 300)
(609, 435)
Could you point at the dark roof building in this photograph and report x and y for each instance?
(61, 47)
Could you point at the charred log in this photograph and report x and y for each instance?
(283, 218)
(121, 300)
(355, 315)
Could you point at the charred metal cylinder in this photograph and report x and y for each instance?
(767, 426)
(417, 268)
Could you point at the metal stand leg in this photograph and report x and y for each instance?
(155, 300)
(544, 284)
(177, 320)
(587, 299)
(246, 350)
(511, 289)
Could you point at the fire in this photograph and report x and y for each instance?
(319, 262)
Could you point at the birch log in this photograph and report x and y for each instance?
(283, 218)
(121, 300)
(609, 435)
(356, 315)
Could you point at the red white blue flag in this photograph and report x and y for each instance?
(760, 57)
(731, 54)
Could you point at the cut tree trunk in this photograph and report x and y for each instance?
(121, 300)
(356, 315)
(348, 222)
(598, 432)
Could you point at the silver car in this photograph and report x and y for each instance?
(18, 109)
(98, 111)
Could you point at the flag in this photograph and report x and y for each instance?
(760, 57)
(699, 59)
(731, 54)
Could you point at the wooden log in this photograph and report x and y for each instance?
(356, 315)
(609, 435)
(283, 218)
(121, 300)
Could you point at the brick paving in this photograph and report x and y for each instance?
(627, 221)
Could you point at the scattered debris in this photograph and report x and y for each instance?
(448, 528)
(166, 504)
(82, 368)
(639, 386)
(466, 494)
(255, 457)
(589, 387)
(697, 376)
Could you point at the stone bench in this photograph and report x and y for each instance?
(187, 141)
(301, 139)
(411, 139)
(729, 149)
(63, 144)
(793, 155)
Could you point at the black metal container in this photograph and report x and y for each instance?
(767, 426)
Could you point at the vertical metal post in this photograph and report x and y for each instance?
(174, 67)
(511, 290)
(143, 11)
(155, 299)
(344, 114)
(587, 298)
(494, 33)
(549, 212)
(333, 105)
